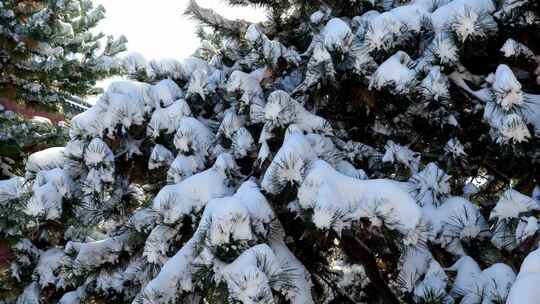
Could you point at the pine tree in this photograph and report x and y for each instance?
(339, 152)
(50, 57)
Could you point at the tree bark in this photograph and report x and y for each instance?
(359, 253)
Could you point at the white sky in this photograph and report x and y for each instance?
(158, 28)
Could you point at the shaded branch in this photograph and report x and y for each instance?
(359, 253)
(219, 23)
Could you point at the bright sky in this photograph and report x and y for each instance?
(158, 28)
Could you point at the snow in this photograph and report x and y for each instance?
(511, 204)
(242, 143)
(40, 120)
(48, 191)
(74, 149)
(267, 262)
(281, 111)
(253, 33)
(333, 192)
(44, 160)
(192, 136)
(97, 152)
(300, 277)
(467, 25)
(445, 14)
(324, 147)
(430, 185)
(513, 127)
(470, 189)
(167, 119)
(505, 110)
(183, 167)
(174, 202)
(198, 84)
(526, 228)
(125, 103)
(121, 110)
(239, 219)
(232, 128)
(143, 220)
(249, 276)
(401, 154)
(92, 254)
(289, 163)
(468, 274)
(320, 66)
(455, 148)
(158, 243)
(10, 189)
(135, 63)
(167, 67)
(525, 290)
(191, 64)
(160, 157)
(494, 284)
(316, 17)
(514, 49)
(165, 92)
(270, 50)
(251, 94)
(487, 287)
(507, 88)
(49, 268)
(255, 202)
(229, 221)
(536, 193)
(97, 178)
(455, 220)
(74, 297)
(394, 73)
(329, 192)
(435, 280)
(415, 262)
(110, 283)
(230, 123)
(384, 31)
(136, 92)
(443, 49)
(346, 168)
(175, 275)
(435, 86)
(337, 35)
(30, 295)
(381, 31)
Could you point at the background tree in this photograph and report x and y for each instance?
(340, 152)
(50, 58)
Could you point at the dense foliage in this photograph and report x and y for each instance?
(51, 57)
(339, 152)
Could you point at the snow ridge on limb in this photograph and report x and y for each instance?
(383, 202)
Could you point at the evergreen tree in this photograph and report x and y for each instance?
(50, 57)
(339, 152)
